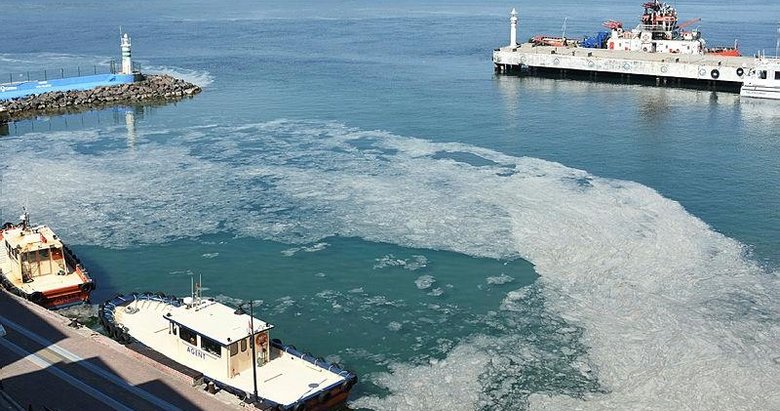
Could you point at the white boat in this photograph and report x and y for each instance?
(36, 265)
(229, 348)
(763, 81)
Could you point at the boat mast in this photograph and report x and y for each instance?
(777, 44)
(25, 217)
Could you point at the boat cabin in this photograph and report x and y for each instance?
(33, 253)
(763, 80)
(216, 337)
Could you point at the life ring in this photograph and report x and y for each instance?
(702, 72)
(261, 339)
(740, 71)
(715, 73)
(664, 69)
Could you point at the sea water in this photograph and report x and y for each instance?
(461, 240)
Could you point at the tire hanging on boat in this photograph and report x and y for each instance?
(715, 73)
(37, 297)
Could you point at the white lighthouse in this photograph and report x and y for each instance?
(127, 62)
(513, 29)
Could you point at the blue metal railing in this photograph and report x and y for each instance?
(60, 73)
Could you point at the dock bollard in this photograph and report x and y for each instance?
(211, 387)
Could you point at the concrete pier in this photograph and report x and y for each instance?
(710, 71)
(46, 362)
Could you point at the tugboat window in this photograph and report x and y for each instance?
(243, 345)
(211, 346)
(777, 75)
(188, 335)
(233, 349)
(762, 74)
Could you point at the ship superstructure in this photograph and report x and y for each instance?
(659, 32)
(36, 265)
(763, 80)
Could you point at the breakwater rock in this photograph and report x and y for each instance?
(151, 88)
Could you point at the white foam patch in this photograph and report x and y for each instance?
(424, 281)
(455, 376)
(412, 264)
(500, 279)
(674, 314)
(199, 78)
(308, 249)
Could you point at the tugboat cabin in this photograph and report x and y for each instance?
(35, 264)
(215, 336)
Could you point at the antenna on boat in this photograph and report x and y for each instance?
(777, 44)
(199, 287)
(563, 29)
(25, 217)
(195, 292)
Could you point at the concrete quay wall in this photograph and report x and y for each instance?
(728, 72)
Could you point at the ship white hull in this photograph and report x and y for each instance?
(764, 92)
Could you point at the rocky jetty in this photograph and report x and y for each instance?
(151, 88)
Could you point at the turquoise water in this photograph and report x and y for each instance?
(461, 240)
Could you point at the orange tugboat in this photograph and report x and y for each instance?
(36, 265)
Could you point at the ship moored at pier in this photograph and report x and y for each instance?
(230, 348)
(36, 265)
(658, 50)
(763, 80)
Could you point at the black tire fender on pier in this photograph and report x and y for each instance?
(37, 297)
(715, 73)
(740, 71)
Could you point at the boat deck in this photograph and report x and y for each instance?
(48, 282)
(284, 379)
